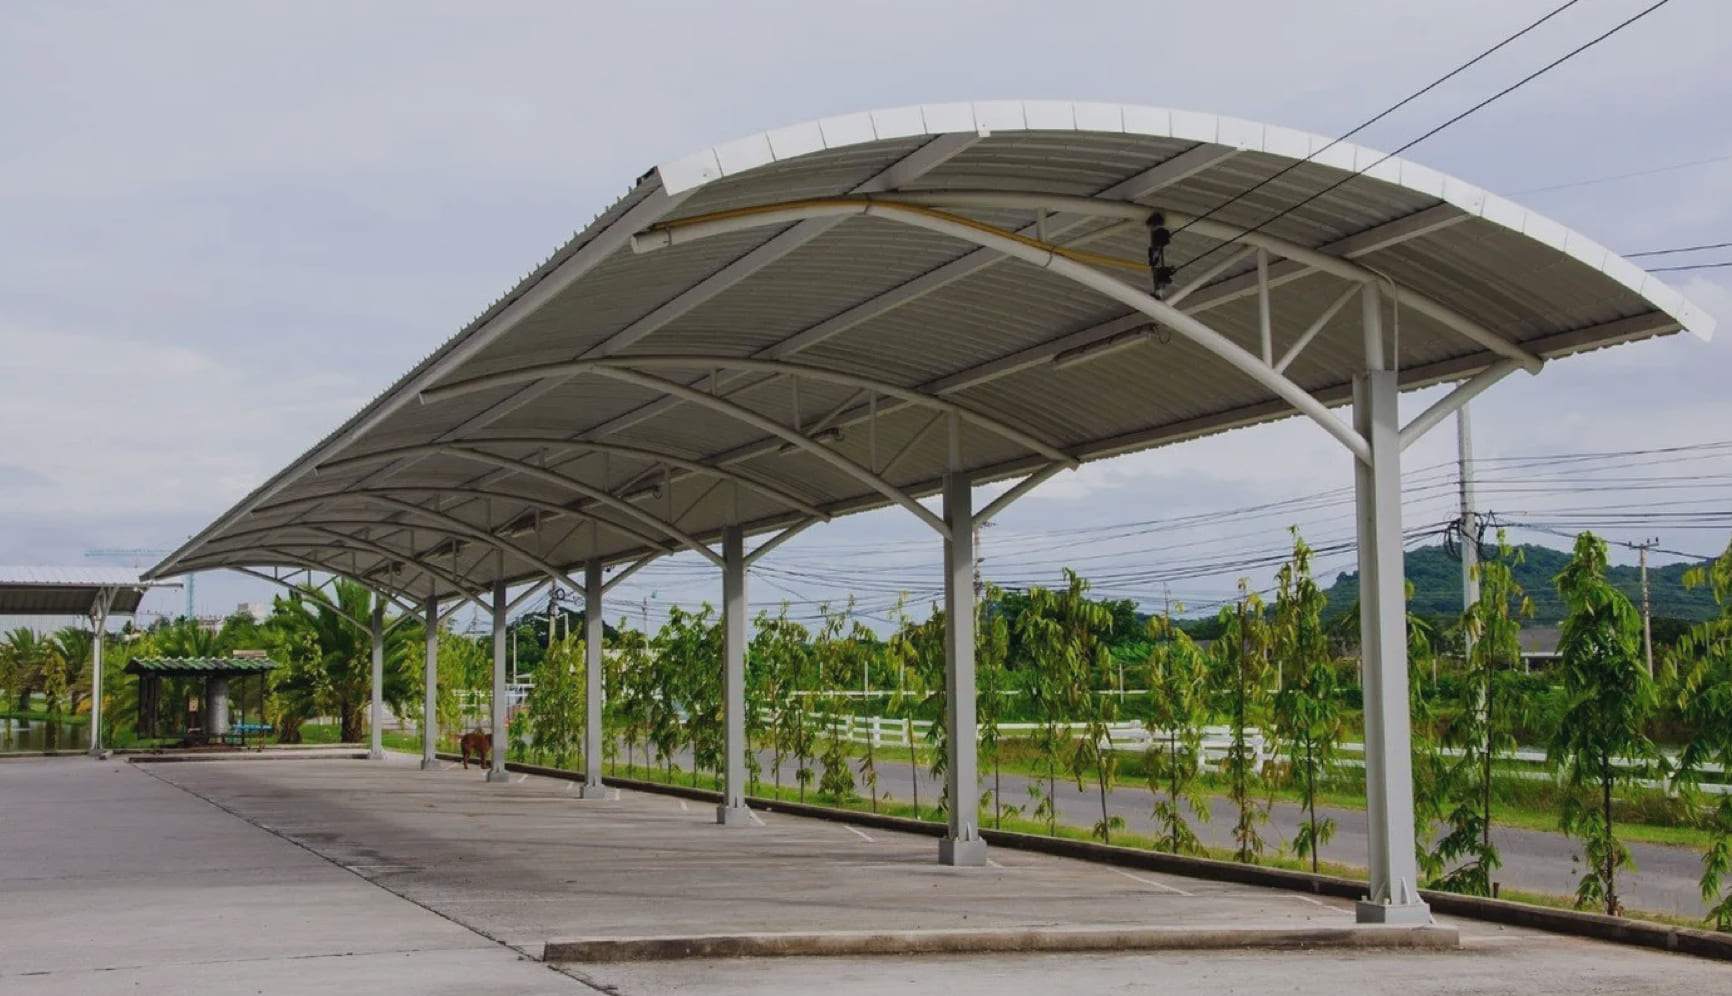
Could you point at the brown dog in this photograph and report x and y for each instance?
(478, 743)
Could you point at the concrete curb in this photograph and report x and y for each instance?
(1617, 930)
(243, 756)
(593, 950)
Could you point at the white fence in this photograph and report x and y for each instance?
(885, 731)
(1215, 743)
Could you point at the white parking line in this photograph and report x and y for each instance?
(863, 835)
(1149, 881)
(683, 807)
(994, 864)
(1317, 902)
(754, 815)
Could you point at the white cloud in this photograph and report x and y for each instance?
(109, 425)
(228, 225)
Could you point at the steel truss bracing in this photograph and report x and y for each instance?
(1375, 439)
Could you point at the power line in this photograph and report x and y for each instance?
(1691, 266)
(1379, 116)
(1518, 84)
(1680, 249)
(1624, 176)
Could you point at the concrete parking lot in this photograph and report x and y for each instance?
(283, 875)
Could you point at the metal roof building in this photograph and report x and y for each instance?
(869, 309)
(92, 592)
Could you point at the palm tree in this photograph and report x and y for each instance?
(73, 645)
(327, 661)
(25, 661)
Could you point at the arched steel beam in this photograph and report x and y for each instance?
(479, 494)
(1047, 258)
(598, 495)
(448, 524)
(285, 558)
(349, 542)
(309, 593)
(605, 366)
(800, 440)
(1126, 211)
(770, 491)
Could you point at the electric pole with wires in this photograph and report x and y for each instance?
(1647, 607)
(1469, 529)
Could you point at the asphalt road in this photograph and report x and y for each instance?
(1665, 879)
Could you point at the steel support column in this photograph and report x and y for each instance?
(496, 707)
(594, 746)
(430, 683)
(99, 625)
(962, 844)
(732, 810)
(376, 709)
(1394, 870)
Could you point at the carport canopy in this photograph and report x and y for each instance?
(69, 591)
(92, 592)
(869, 309)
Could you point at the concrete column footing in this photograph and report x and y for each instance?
(499, 776)
(1397, 914)
(962, 853)
(592, 790)
(734, 816)
(431, 764)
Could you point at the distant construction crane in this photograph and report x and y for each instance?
(138, 556)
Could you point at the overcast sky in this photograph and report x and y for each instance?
(224, 226)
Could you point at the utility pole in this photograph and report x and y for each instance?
(979, 585)
(1647, 607)
(1469, 528)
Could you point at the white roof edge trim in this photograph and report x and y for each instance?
(689, 172)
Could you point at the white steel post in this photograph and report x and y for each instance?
(1394, 870)
(732, 810)
(430, 682)
(376, 711)
(496, 707)
(593, 631)
(962, 843)
(99, 625)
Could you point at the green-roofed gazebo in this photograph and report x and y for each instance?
(212, 706)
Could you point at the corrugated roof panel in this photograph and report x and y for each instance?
(1519, 276)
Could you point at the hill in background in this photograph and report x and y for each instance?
(1436, 579)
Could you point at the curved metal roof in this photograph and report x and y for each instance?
(779, 329)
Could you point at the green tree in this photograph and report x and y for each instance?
(556, 704)
(1609, 698)
(869, 651)
(327, 661)
(1178, 707)
(1482, 725)
(911, 649)
(1307, 709)
(634, 694)
(1066, 635)
(689, 651)
(1242, 661)
(1702, 659)
(991, 650)
(776, 658)
(831, 652)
